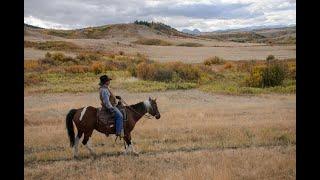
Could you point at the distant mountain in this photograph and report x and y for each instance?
(194, 32)
(253, 28)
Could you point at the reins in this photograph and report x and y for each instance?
(149, 117)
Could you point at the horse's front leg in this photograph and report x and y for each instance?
(129, 149)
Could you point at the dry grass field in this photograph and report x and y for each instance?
(198, 54)
(230, 51)
(199, 136)
(219, 117)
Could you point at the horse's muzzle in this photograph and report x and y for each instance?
(157, 116)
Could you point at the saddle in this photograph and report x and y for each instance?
(106, 118)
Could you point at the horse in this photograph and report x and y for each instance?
(86, 122)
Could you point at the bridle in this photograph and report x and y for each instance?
(145, 115)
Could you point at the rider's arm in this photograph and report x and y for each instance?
(105, 97)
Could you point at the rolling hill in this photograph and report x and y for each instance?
(282, 35)
(154, 30)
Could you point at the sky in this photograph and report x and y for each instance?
(204, 15)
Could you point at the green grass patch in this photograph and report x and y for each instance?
(235, 89)
(155, 42)
(190, 44)
(148, 86)
(71, 82)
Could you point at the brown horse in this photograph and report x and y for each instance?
(86, 121)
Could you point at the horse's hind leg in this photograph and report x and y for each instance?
(87, 142)
(76, 143)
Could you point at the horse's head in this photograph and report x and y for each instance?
(153, 109)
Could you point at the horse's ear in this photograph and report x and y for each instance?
(155, 99)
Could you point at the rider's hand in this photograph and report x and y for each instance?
(111, 109)
(118, 97)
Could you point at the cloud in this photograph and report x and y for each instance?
(205, 11)
(202, 14)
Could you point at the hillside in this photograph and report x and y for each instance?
(284, 35)
(28, 26)
(111, 31)
(144, 29)
(158, 41)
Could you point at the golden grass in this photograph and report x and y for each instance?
(199, 136)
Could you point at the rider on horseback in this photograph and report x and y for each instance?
(106, 97)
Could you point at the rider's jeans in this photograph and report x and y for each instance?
(119, 120)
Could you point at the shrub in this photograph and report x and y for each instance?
(138, 58)
(58, 56)
(56, 70)
(269, 76)
(132, 70)
(32, 65)
(121, 53)
(115, 65)
(214, 60)
(270, 58)
(48, 55)
(246, 66)
(32, 79)
(228, 66)
(255, 77)
(145, 71)
(77, 69)
(97, 67)
(292, 71)
(274, 75)
(121, 58)
(57, 59)
(186, 72)
(52, 45)
(155, 72)
(87, 57)
(162, 74)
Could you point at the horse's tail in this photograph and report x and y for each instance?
(69, 125)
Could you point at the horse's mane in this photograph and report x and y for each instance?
(137, 106)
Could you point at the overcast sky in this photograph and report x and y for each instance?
(205, 15)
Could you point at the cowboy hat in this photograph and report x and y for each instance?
(104, 79)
